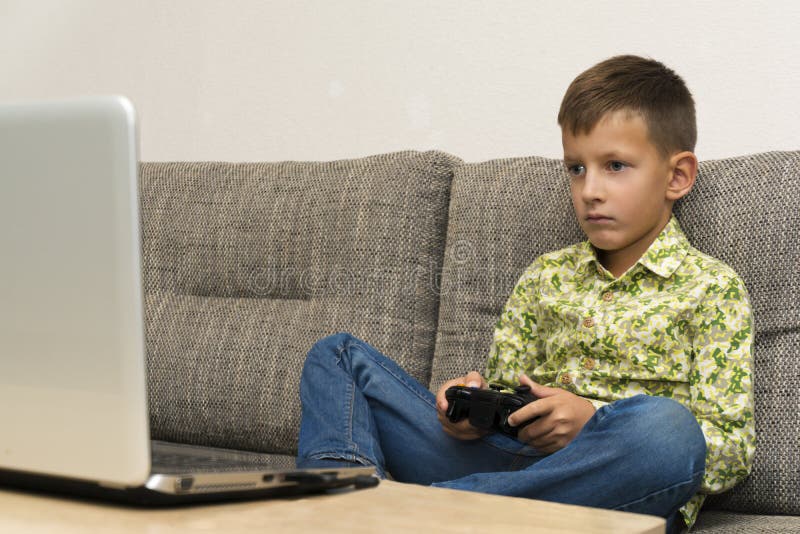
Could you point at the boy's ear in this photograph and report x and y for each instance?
(683, 172)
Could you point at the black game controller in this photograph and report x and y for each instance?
(487, 408)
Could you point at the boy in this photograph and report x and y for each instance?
(636, 345)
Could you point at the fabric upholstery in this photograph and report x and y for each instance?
(247, 265)
(744, 211)
(504, 213)
(715, 522)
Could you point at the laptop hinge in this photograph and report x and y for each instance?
(111, 485)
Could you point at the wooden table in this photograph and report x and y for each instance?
(391, 507)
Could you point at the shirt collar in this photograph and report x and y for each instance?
(663, 257)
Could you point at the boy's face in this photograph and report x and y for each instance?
(619, 187)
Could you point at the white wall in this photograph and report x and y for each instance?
(252, 80)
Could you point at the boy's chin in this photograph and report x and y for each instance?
(601, 249)
(602, 241)
(604, 247)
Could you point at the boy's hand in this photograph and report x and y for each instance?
(561, 416)
(462, 429)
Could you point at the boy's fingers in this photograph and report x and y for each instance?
(538, 390)
(525, 380)
(464, 430)
(461, 430)
(474, 379)
(538, 432)
(441, 400)
(537, 408)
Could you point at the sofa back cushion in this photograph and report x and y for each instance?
(246, 265)
(744, 211)
(505, 213)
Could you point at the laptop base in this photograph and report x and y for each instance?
(294, 484)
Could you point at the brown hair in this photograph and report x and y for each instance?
(635, 84)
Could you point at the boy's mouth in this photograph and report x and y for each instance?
(598, 219)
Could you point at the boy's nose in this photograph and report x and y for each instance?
(592, 187)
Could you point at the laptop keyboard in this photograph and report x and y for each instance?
(173, 458)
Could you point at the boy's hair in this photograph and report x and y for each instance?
(636, 84)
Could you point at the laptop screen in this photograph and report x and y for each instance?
(72, 366)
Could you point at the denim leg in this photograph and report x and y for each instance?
(361, 407)
(643, 454)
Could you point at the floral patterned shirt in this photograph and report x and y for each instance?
(677, 324)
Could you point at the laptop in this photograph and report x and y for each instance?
(73, 390)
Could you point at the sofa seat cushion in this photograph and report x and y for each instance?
(717, 522)
(246, 265)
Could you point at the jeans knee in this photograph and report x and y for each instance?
(667, 429)
(332, 351)
(342, 352)
(326, 351)
(332, 344)
(342, 359)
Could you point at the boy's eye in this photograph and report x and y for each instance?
(616, 166)
(575, 170)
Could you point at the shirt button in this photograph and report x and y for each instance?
(588, 322)
(608, 296)
(566, 380)
(588, 364)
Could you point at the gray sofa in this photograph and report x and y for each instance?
(246, 265)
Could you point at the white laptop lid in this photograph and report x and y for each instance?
(72, 362)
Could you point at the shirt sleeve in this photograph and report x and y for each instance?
(514, 343)
(720, 382)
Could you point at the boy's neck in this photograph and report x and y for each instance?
(615, 266)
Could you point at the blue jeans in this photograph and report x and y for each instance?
(642, 454)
